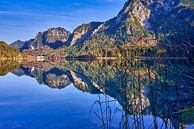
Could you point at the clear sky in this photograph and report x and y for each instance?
(22, 19)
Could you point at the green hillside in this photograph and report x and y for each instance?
(7, 51)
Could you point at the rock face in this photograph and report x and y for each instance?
(56, 34)
(82, 33)
(173, 18)
(54, 37)
(137, 23)
(128, 24)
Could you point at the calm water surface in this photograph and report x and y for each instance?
(100, 94)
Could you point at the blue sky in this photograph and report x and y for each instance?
(22, 19)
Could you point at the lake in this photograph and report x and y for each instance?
(101, 94)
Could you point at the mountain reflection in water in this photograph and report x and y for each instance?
(159, 88)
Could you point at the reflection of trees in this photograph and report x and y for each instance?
(127, 88)
(7, 66)
(169, 96)
(163, 89)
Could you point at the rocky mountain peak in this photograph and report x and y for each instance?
(53, 37)
(132, 25)
(172, 17)
(56, 34)
(159, 16)
(82, 33)
(17, 44)
(134, 9)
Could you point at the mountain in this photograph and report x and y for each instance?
(124, 28)
(53, 37)
(141, 24)
(138, 18)
(18, 44)
(7, 51)
(127, 26)
(173, 18)
(82, 33)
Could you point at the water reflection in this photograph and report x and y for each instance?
(160, 89)
(7, 66)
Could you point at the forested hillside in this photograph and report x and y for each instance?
(7, 51)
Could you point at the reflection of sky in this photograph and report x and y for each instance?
(23, 102)
(22, 19)
(26, 104)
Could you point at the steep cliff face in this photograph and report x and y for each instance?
(126, 28)
(174, 18)
(53, 37)
(82, 33)
(146, 19)
(128, 24)
(139, 22)
(56, 34)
